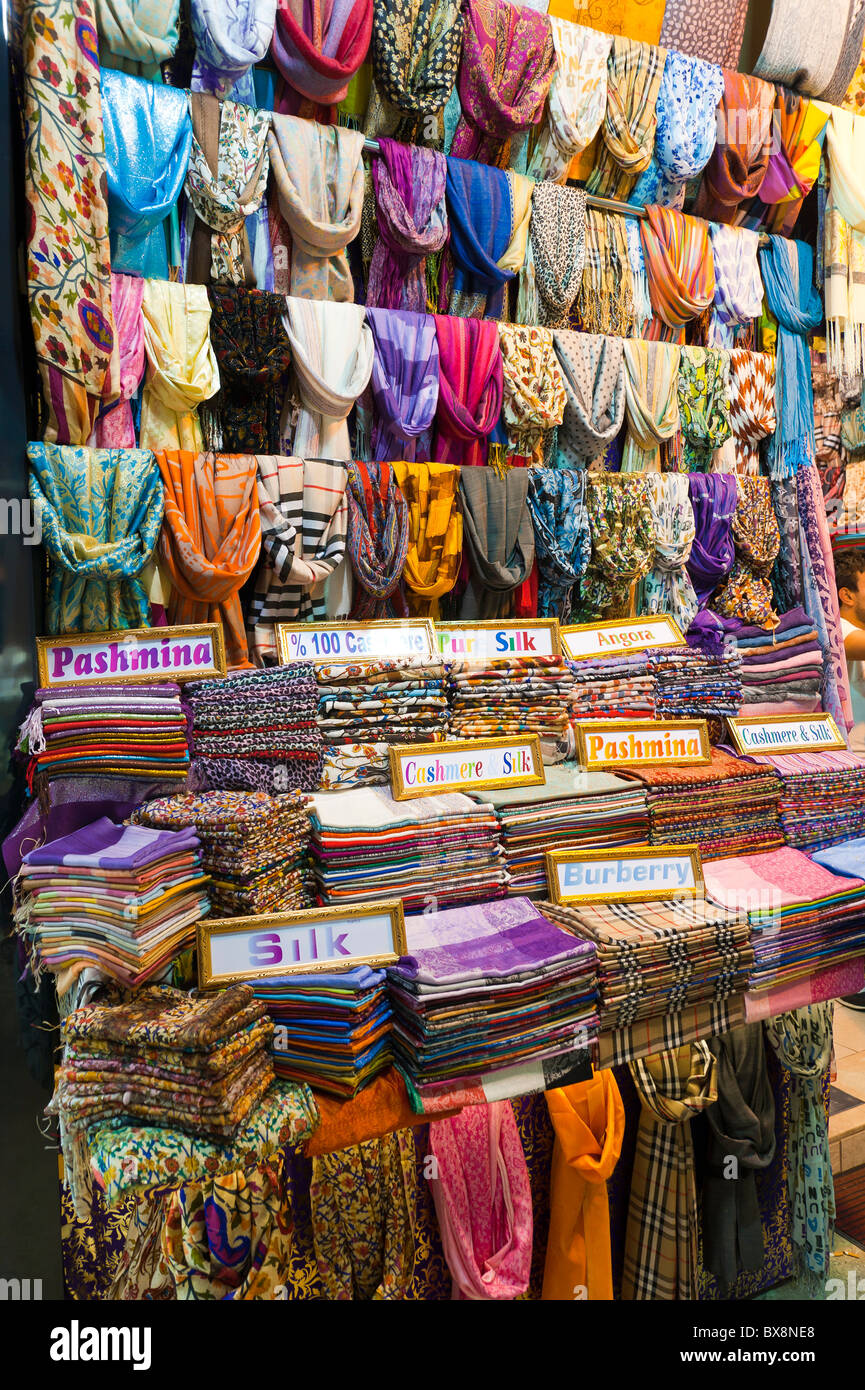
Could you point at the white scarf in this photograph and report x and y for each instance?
(577, 99)
(738, 282)
(332, 350)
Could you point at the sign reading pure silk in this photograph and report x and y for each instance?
(638, 873)
(786, 733)
(612, 743)
(382, 641)
(298, 943)
(585, 641)
(491, 641)
(150, 654)
(465, 765)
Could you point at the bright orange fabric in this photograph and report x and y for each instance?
(641, 20)
(378, 1109)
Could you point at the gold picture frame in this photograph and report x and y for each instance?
(401, 792)
(735, 723)
(44, 645)
(490, 625)
(284, 630)
(583, 727)
(554, 857)
(651, 618)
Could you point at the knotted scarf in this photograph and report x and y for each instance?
(738, 284)
(137, 36)
(704, 411)
(318, 173)
(404, 381)
(807, 47)
(251, 346)
(687, 126)
(225, 184)
(557, 503)
(652, 403)
(558, 250)
(844, 245)
(533, 398)
(210, 540)
(798, 127)
(181, 365)
(435, 531)
(377, 540)
(115, 428)
(738, 164)
(594, 376)
(411, 212)
(416, 46)
(747, 593)
(100, 510)
(605, 302)
(633, 80)
(680, 269)
(752, 405)
(787, 268)
(667, 588)
(662, 1235)
(317, 49)
(470, 389)
(623, 543)
(332, 350)
(480, 219)
(714, 498)
(499, 539)
(507, 65)
(576, 102)
(229, 40)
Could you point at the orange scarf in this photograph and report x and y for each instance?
(680, 268)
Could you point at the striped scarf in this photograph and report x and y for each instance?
(651, 372)
(377, 540)
(680, 268)
(633, 81)
(738, 164)
(605, 303)
(738, 284)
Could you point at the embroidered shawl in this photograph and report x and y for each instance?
(686, 130)
(747, 593)
(593, 370)
(416, 46)
(651, 375)
(576, 102)
(498, 537)
(680, 268)
(633, 80)
(752, 405)
(667, 588)
(181, 365)
(404, 382)
(470, 389)
(229, 41)
(115, 427)
(738, 164)
(317, 49)
(435, 528)
(253, 352)
(563, 544)
(332, 351)
(534, 398)
(225, 184)
(377, 540)
(137, 36)
(411, 213)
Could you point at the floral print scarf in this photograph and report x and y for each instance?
(623, 544)
(534, 390)
(557, 503)
(667, 588)
(416, 46)
(747, 593)
(703, 390)
(225, 183)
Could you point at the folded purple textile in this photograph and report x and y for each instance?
(772, 654)
(141, 693)
(104, 845)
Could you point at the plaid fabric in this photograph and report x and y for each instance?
(634, 72)
(620, 1045)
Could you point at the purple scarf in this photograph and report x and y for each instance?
(404, 383)
(714, 498)
(412, 222)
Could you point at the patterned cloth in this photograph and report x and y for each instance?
(506, 68)
(752, 405)
(253, 352)
(667, 588)
(623, 544)
(737, 167)
(576, 101)
(115, 427)
(411, 213)
(593, 373)
(605, 303)
(558, 249)
(686, 130)
(738, 284)
(557, 503)
(651, 374)
(404, 386)
(225, 183)
(703, 390)
(798, 127)
(680, 268)
(747, 593)
(416, 46)
(714, 33)
(256, 731)
(377, 540)
(634, 74)
(435, 533)
(470, 389)
(137, 35)
(229, 41)
(317, 50)
(534, 399)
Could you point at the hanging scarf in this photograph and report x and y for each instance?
(844, 246)
(633, 80)
(738, 165)
(623, 544)
(593, 371)
(637, 17)
(181, 365)
(404, 381)
(714, 498)
(517, 253)
(687, 126)
(332, 350)
(115, 428)
(470, 389)
(576, 102)
(738, 284)
(804, 44)
(228, 1237)
(605, 303)
(68, 272)
(651, 371)
(479, 222)
(225, 184)
(845, 148)
(137, 36)
(318, 174)
(667, 588)
(100, 510)
(819, 591)
(483, 1201)
(703, 390)
(435, 532)
(317, 50)
(641, 297)
(680, 269)
(787, 268)
(533, 399)
(662, 1235)
(210, 540)
(711, 31)
(752, 405)
(416, 46)
(229, 41)
(498, 536)
(803, 1045)
(507, 65)
(798, 128)
(557, 504)
(253, 352)
(377, 540)
(558, 249)
(412, 221)
(747, 593)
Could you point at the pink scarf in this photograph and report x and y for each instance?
(116, 429)
(507, 66)
(317, 48)
(470, 389)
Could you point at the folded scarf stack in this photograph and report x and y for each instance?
(130, 730)
(364, 707)
(490, 996)
(612, 687)
(822, 799)
(660, 957)
(256, 731)
(521, 695)
(123, 898)
(726, 806)
(781, 668)
(690, 683)
(254, 846)
(429, 851)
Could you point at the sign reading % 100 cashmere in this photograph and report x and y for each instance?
(140, 654)
(465, 765)
(391, 639)
(492, 641)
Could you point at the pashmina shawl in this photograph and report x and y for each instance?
(712, 30)
(557, 503)
(318, 173)
(506, 68)
(652, 403)
(686, 129)
(605, 303)
(411, 213)
(623, 543)
(798, 128)
(747, 594)
(533, 398)
(752, 405)
(633, 80)
(181, 365)
(416, 46)
(703, 390)
(68, 272)
(804, 46)
(499, 539)
(435, 532)
(480, 221)
(377, 540)
(787, 268)
(576, 102)
(680, 268)
(101, 510)
(317, 49)
(115, 427)
(662, 1234)
(844, 246)
(558, 249)
(483, 1201)
(225, 184)
(738, 284)
(593, 371)
(471, 386)
(252, 348)
(332, 350)
(148, 135)
(210, 540)
(667, 588)
(404, 382)
(229, 40)
(738, 164)
(137, 36)
(714, 498)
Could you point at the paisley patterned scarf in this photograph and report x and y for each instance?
(404, 382)
(557, 503)
(623, 544)
(747, 593)
(687, 102)
(435, 531)
(137, 36)
(738, 283)
(470, 389)
(703, 390)
(253, 352)
(411, 212)
(787, 268)
(416, 46)
(225, 184)
(115, 428)
(318, 48)
(651, 373)
(576, 101)
(534, 391)
(738, 164)
(332, 352)
(558, 250)
(633, 81)
(377, 540)
(667, 588)
(594, 376)
(229, 41)
(680, 268)
(182, 371)
(752, 405)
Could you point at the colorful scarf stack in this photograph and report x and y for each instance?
(703, 389)
(747, 593)
(366, 706)
(404, 383)
(576, 101)
(752, 405)
(229, 41)
(253, 352)
(557, 504)
(498, 538)
(115, 427)
(738, 164)
(256, 731)
(651, 374)
(182, 371)
(623, 544)
(506, 68)
(480, 223)
(558, 251)
(787, 268)
(844, 246)
(225, 183)
(798, 127)
(377, 540)
(686, 130)
(738, 284)
(606, 300)
(680, 269)
(435, 533)
(137, 36)
(411, 212)
(634, 75)
(534, 398)
(667, 588)
(714, 498)
(416, 46)
(332, 351)
(594, 375)
(470, 389)
(317, 50)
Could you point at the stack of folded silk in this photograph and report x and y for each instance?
(123, 898)
(332, 1031)
(782, 667)
(98, 730)
(822, 799)
(254, 846)
(520, 695)
(726, 806)
(491, 1001)
(257, 730)
(660, 957)
(612, 687)
(690, 683)
(363, 708)
(432, 850)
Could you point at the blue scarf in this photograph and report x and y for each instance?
(563, 543)
(788, 278)
(479, 217)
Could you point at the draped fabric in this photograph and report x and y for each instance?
(807, 48)
(623, 544)
(253, 352)
(558, 250)
(470, 389)
(115, 428)
(404, 382)
(714, 498)
(633, 81)
(845, 147)
(68, 273)
(686, 130)
(787, 268)
(533, 399)
(738, 164)
(137, 36)
(181, 365)
(798, 129)
(435, 533)
(411, 213)
(667, 588)
(605, 303)
(704, 412)
(752, 405)
(317, 49)
(332, 352)
(480, 220)
(680, 268)
(738, 283)
(100, 512)
(318, 175)
(377, 540)
(819, 591)
(844, 245)
(652, 402)
(593, 371)
(557, 504)
(148, 136)
(499, 542)
(747, 593)
(576, 101)
(210, 540)
(225, 183)
(506, 68)
(229, 41)
(713, 30)
(416, 46)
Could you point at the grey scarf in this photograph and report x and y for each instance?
(594, 373)
(498, 536)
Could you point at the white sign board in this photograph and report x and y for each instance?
(491, 641)
(383, 641)
(591, 640)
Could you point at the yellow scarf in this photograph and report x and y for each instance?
(181, 365)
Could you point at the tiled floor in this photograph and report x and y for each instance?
(847, 1129)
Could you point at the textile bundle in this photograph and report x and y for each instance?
(652, 372)
(330, 1030)
(815, 54)
(533, 400)
(681, 270)
(136, 731)
(752, 405)
(482, 221)
(686, 130)
(523, 694)
(821, 795)
(611, 687)
(798, 127)
(576, 101)
(332, 351)
(411, 213)
(703, 390)
(182, 371)
(256, 731)
(781, 667)
(136, 37)
(404, 386)
(634, 74)
(740, 159)
(415, 52)
(667, 587)
(727, 806)
(689, 683)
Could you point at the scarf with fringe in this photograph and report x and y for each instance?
(844, 246)
(634, 75)
(254, 354)
(411, 213)
(404, 383)
(470, 389)
(557, 503)
(225, 183)
(534, 397)
(787, 268)
(747, 593)
(593, 371)
(332, 352)
(605, 302)
(667, 588)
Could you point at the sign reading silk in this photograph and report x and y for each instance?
(77, 1343)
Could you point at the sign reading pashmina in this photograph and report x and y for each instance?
(115, 427)
(685, 137)
(140, 655)
(318, 48)
(181, 365)
(499, 539)
(651, 376)
(411, 213)
(787, 268)
(613, 743)
(557, 503)
(252, 348)
(404, 382)
(633, 80)
(229, 40)
(416, 46)
(593, 372)
(225, 184)
(738, 164)
(470, 389)
(137, 35)
(533, 400)
(332, 351)
(576, 101)
(680, 269)
(377, 540)
(435, 530)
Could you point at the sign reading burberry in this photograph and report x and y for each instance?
(785, 733)
(380, 641)
(586, 640)
(291, 943)
(465, 765)
(137, 654)
(605, 743)
(639, 873)
(491, 641)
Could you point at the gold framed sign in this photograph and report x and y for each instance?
(465, 765)
(640, 873)
(785, 733)
(232, 950)
(135, 655)
(611, 743)
(588, 641)
(387, 640)
(497, 641)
